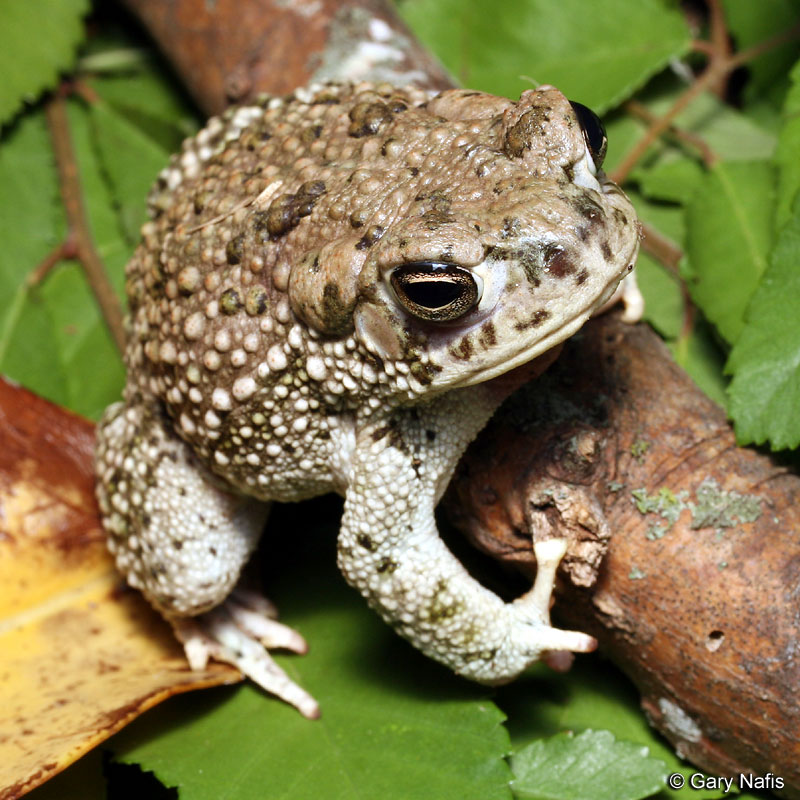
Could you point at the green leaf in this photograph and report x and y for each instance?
(788, 148)
(673, 181)
(751, 23)
(52, 338)
(149, 99)
(731, 135)
(729, 233)
(131, 160)
(593, 694)
(590, 766)
(765, 361)
(504, 46)
(702, 357)
(393, 725)
(38, 39)
(663, 301)
(31, 225)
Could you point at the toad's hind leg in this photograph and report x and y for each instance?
(182, 540)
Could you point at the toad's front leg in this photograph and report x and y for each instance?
(389, 548)
(182, 539)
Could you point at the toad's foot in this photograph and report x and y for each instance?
(241, 632)
(539, 599)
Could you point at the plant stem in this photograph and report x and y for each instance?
(79, 237)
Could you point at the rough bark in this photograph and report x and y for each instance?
(683, 557)
(692, 587)
(230, 50)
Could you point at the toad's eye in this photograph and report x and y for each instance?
(435, 292)
(593, 132)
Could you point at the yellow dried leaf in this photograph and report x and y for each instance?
(80, 654)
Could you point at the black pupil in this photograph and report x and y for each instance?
(432, 293)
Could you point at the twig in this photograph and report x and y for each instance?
(79, 238)
(720, 43)
(709, 157)
(662, 249)
(703, 46)
(716, 68)
(669, 255)
(64, 252)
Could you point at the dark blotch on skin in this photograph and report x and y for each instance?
(335, 312)
(372, 235)
(511, 226)
(234, 250)
(539, 317)
(200, 201)
(310, 134)
(379, 433)
(528, 256)
(463, 350)
(251, 139)
(286, 210)
(438, 609)
(374, 361)
(367, 118)
(357, 218)
(260, 227)
(487, 336)
(557, 261)
(230, 302)
(327, 97)
(536, 319)
(439, 211)
(520, 136)
(590, 210)
(366, 542)
(256, 301)
(582, 276)
(387, 566)
(430, 435)
(312, 189)
(447, 255)
(605, 249)
(424, 373)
